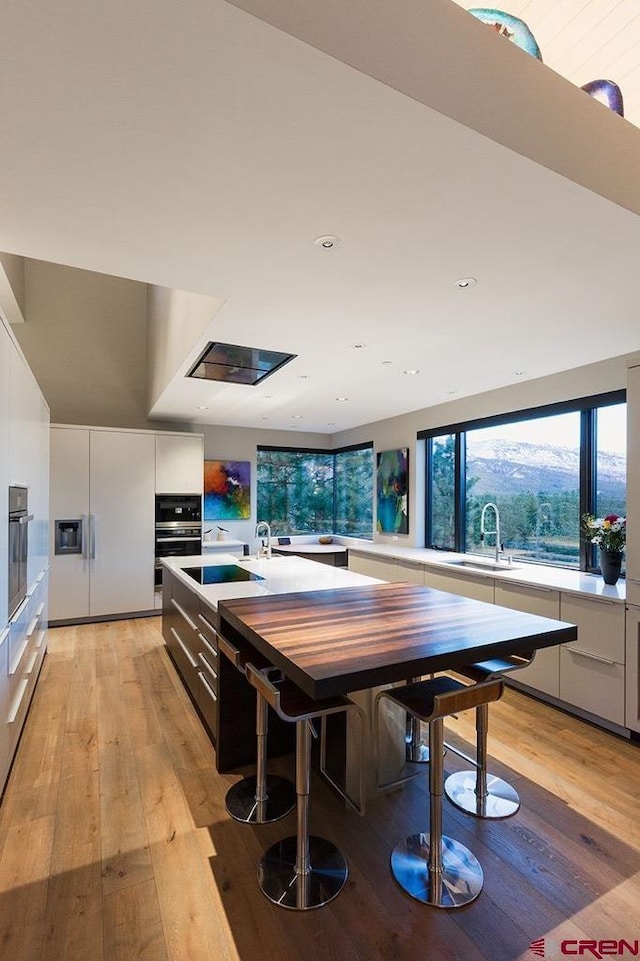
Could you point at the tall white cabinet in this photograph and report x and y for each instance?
(106, 479)
(24, 461)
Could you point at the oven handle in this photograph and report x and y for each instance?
(176, 540)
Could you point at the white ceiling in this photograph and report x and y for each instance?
(197, 147)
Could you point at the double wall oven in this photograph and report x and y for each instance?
(178, 528)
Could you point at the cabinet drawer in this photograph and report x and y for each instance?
(592, 684)
(207, 700)
(543, 674)
(188, 601)
(208, 622)
(413, 573)
(478, 588)
(600, 624)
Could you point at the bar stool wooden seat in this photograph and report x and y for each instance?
(434, 868)
(260, 798)
(477, 792)
(303, 871)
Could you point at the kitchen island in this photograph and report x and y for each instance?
(328, 630)
(193, 587)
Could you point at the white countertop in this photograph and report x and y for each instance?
(282, 575)
(310, 548)
(525, 574)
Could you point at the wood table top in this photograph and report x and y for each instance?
(348, 639)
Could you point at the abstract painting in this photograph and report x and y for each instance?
(392, 484)
(227, 490)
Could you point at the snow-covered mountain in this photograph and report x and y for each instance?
(509, 466)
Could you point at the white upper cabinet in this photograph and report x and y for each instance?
(179, 463)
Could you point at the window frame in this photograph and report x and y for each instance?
(587, 407)
(334, 452)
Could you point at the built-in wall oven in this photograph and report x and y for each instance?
(19, 518)
(178, 528)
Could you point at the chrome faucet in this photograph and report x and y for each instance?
(484, 532)
(265, 549)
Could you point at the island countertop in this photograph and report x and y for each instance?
(280, 575)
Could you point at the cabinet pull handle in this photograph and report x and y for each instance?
(208, 667)
(208, 646)
(185, 650)
(592, 657)
(184, 614)
(210, 690)
(85, 537)
(523, 588)
(32, 627)
(636, 580)
(3, 636)
(208, 623)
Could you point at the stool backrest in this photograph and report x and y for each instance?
(470, 696)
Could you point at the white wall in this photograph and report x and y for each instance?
(85, 337)
(177, 320)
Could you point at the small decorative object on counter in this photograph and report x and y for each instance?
(325, 539)
(609, 534)
(222, 534)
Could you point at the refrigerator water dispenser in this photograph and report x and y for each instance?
(68, 537)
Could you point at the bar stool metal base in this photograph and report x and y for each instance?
(501, 801)
(241, 803)
(301, 892)
(459, 883)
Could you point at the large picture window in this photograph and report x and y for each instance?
(543, 469)
(310, 491)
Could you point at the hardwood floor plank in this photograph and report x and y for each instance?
(132, 925)
(115, 842)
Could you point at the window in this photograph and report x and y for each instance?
(542, 468)
(309, 491)
(531, 471)
(443, 500)
(354, 492)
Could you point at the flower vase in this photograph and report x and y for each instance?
(610, 565)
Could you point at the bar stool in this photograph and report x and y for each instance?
(477, 792)
(260, 798)
(303, 871)
(434, 868)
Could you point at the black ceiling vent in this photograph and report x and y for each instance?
(237, 365)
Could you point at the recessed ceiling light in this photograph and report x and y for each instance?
(304, 377)
(386, 363)
(265, 418)
(359, 346)
(452, 392)
(268, 396)
(203, 408)
(327, 242)
(296, 417)
(464, 282)
(519, 373)
(411, 371)
(342, 398)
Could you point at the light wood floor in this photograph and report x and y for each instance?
(115, 844)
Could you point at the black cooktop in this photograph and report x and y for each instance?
(221, 574)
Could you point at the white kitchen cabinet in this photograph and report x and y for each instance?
(385, 570)
(5, 694)
(106, 479)
(411, 572)
(179, 463)
(480, 588)
(633, 486)
(592, 668)
(632, 638)
(544, 672)
(5, 354)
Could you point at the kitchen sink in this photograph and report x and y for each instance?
(483, 565)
